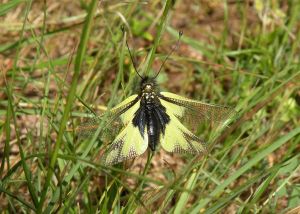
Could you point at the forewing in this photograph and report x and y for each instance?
(194, 111)
(123, 111)
(128, 144)
(126, 109)
(177, 138)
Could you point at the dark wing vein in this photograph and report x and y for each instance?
(111, 124)
(195, 112)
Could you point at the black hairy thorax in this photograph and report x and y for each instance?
(151, 115)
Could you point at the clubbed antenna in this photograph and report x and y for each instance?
(123, 30)
(173, 49)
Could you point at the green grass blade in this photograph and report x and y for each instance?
(261, 155)
(180, 206)
(70, 99)
(18, 198)
(6, 7)
(160, 30)
(26, 168)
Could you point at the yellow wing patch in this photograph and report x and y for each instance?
(177, 137)
(128, 144)
(127, 116)
(173, 109)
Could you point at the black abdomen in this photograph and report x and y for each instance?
(153, 129)
(153, 116)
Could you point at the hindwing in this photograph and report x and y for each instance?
(178, 138)
(128, 144)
